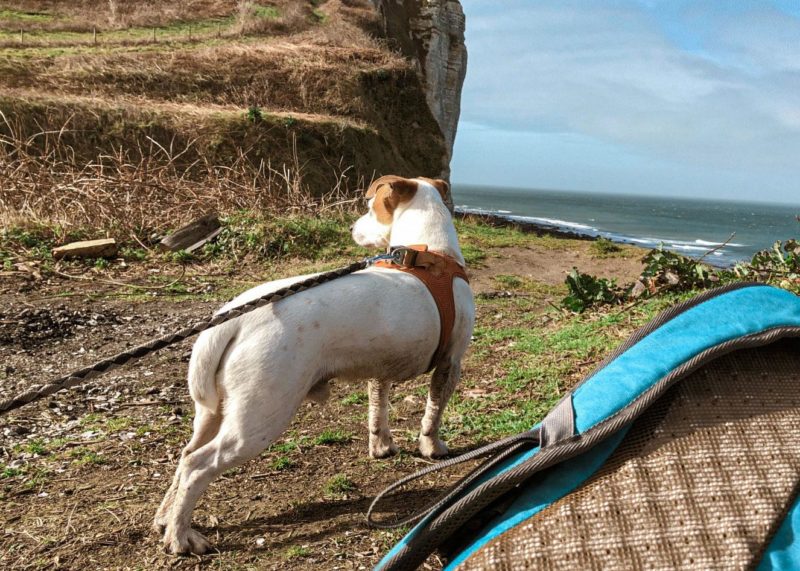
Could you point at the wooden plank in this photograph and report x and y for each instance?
(103, 248)
(204, 241)
(201, 230)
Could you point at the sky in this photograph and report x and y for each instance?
(667, 97)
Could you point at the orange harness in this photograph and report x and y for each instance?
(437, 271)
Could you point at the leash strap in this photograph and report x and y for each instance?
(502, 450)
(68, 381)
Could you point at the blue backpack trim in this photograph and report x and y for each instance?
(725, 316)
(783, 551)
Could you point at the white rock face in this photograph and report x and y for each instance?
(431, 32)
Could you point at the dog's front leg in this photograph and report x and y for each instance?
(381, 444)
(443, 383)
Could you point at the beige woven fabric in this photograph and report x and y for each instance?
(702, 480)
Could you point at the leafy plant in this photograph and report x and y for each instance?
(668, 270)
(782, 260)
(586, 291)
(255, 114)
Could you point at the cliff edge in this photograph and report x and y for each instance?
(431, 33)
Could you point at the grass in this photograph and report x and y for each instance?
(338, 485)
(535, 364)
(357, 398)
(297, 552)
(333, 436)
(282, 463)
(604, 248)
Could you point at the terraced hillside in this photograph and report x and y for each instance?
(306, 91)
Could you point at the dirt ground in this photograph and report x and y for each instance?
(85, 470)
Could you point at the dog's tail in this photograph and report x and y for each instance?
(207, 359)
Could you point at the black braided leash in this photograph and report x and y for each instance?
(38, 391)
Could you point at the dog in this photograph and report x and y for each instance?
(248, 376)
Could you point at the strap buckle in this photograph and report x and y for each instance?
(403, 256)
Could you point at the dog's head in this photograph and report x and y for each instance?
(388, 196)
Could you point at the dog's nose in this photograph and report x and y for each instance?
(351, 227)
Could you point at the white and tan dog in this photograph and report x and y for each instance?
(249, 375)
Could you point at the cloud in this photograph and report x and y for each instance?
(697, 83)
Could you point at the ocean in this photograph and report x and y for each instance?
(688, 226)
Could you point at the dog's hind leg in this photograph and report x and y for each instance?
(443, 383)
(244, 432)
(206, 427)
(381, 444)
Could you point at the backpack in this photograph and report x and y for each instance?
(680, 450)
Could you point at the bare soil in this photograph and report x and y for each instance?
(85, 470)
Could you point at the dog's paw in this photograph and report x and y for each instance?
(382, 447)
(432, 447)
(192, 542)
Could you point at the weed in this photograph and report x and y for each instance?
(9, 472)
(133, 254)
(82, 456)
(339, 484)
(355, 398)
(37, 447)
(473, 255)
(255, 114)
(508, 281)
(284, 447)
(101, 264)
(297, 551)
(180, 257)
(333, 436)
(37, 479)
(282, 463)
(117, 424)
(586, 291)
(604, 248)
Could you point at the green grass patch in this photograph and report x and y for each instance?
(297, 552)
(604, 248)
(37, 447)
(267, 12)
(355, 398)
(285, 447)
(282, 463)
(539, 364)
(15, 16)
(333, 436)
(339, 484)
(82, 456)
(9, 472)
(275, 238)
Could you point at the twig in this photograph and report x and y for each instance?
(148, 403)
(121, 284)
(714, 249)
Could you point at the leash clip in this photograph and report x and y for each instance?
(379, 258)
(400, 255)
(403, 256)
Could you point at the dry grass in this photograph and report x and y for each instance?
(85, 15)
(42, 185)
(132, 134)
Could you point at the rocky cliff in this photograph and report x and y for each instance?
(431, 33)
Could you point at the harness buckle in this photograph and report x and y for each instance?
(400, 255)
(403, 256)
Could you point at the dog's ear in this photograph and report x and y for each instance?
(389, 191)
(439, 185)
(401, 188)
